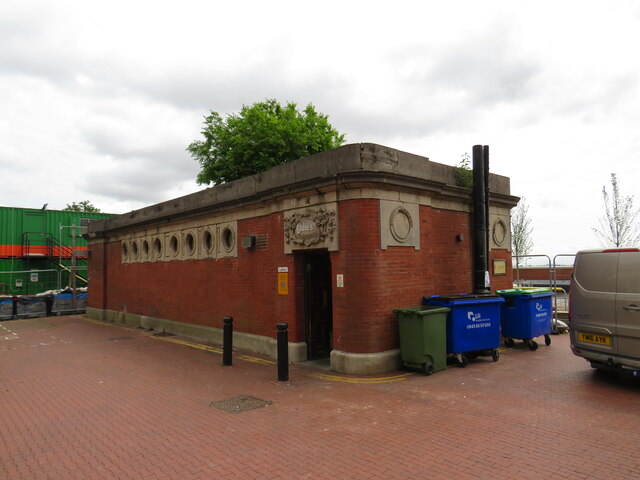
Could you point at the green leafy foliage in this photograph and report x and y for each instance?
(464, 173)
(82, 206)
(260, 137)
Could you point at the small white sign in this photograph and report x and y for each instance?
(340, 280)
(283, 269)
(487, 279)
(34, 277)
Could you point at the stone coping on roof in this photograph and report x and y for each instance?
(359, 163)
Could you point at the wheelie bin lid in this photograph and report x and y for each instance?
(524, 291)
(422, 310)
(461, 299)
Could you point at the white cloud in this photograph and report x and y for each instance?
(100, 101)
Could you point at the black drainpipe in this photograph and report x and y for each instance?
(481, 219)
(486, 199)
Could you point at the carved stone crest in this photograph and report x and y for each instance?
(400, 224)
(500, 234)
(311, 227)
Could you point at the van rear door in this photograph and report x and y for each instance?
(593, 301)
(628, 304)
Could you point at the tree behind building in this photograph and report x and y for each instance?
(260, 137)
(82, 206)
(521, 230)
(619, 226)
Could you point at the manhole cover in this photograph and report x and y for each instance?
(117, 339)
(240, 404)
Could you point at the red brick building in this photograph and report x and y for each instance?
(330, 244)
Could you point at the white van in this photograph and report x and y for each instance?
(604, 308)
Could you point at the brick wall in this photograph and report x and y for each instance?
(203, 292)
(501, 282)
(97, 276)
(375, 281)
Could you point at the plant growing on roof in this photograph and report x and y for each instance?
(464, 173)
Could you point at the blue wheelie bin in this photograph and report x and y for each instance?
(473, 325)
(526, 314)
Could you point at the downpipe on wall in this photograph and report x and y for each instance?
(481, 279)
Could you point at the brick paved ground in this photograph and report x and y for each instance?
(85, 400)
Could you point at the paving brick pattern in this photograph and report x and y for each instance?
(85, 400)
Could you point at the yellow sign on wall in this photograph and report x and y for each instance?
(499, 267)
(283, 283)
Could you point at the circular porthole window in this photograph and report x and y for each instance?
(174, 245)
(190, 243)
(134, 249)
(207, 241)
(228, 239)
(145, 249)
(157, 248)
(125, 251)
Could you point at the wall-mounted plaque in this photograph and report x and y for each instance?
(499, 267)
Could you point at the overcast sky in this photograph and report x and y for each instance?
(100, 99)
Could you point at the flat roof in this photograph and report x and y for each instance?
(363, 163)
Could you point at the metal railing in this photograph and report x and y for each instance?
(30, 282)
(47, 246)
(553, 280)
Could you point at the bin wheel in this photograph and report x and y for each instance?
(547, 340)
(428, 368)
(508, 342)
(532, 345)
(461, 360)
(495, 355)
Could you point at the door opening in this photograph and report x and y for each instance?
(317, 304)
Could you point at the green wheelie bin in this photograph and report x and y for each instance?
(423, 338)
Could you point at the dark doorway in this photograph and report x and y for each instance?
(317, 303)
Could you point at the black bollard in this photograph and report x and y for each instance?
(283, 352)
(227, 341)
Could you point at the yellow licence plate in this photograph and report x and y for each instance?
(593, 338)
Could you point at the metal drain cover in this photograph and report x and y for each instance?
(240, 404)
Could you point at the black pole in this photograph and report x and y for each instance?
(480, 261)
(227, 341)
(283, 352)
(486, 200)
